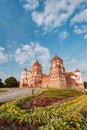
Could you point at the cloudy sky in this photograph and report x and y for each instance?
(39, 29)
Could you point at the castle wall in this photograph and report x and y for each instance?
(70, 82)
(80, 86)
(45, 81)
(63, 83)
(55, 84)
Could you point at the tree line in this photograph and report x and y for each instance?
(85, 84)
(10, 82)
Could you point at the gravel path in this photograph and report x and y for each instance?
(14, 93)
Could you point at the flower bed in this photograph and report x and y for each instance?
(65, 116)
(41, 101)
(52, 96)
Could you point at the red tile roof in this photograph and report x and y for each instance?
(36, 63)
(70, 74)
(77, 70)
(56, 58)
(45, 75)
(25, 69)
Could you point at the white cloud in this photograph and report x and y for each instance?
(78, 30)
(80, 17)
(30, 4)
(3, 56)
(81, 30)
(51, 17)
(56, 13)
(85, 36)
(2, 49)
(79, 62)
(36, 32)
(32, 51)
(73, 60)
(63, 35)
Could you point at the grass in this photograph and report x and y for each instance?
(63, 93)
(1, 91)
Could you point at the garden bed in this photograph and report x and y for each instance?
(65, 116)
(41, 101)
(52, 97)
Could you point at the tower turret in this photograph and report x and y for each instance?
(57, 73)
(23, 79)
(36, 74)
(78, 79)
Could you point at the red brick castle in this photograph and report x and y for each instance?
(57, 77)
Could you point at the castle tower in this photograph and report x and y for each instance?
(23, 79)
(29, 79)
(57, 73)
(36, 74)
(78, 79)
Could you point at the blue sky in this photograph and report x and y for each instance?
(39, 29)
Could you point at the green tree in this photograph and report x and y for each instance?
(18, 83)
(85, 84)
(11, 82)
(1, 84)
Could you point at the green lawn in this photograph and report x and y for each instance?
(63, 93)
(1, 91)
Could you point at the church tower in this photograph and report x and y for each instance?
(36, 74)
(78, 79)
(57, 73)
